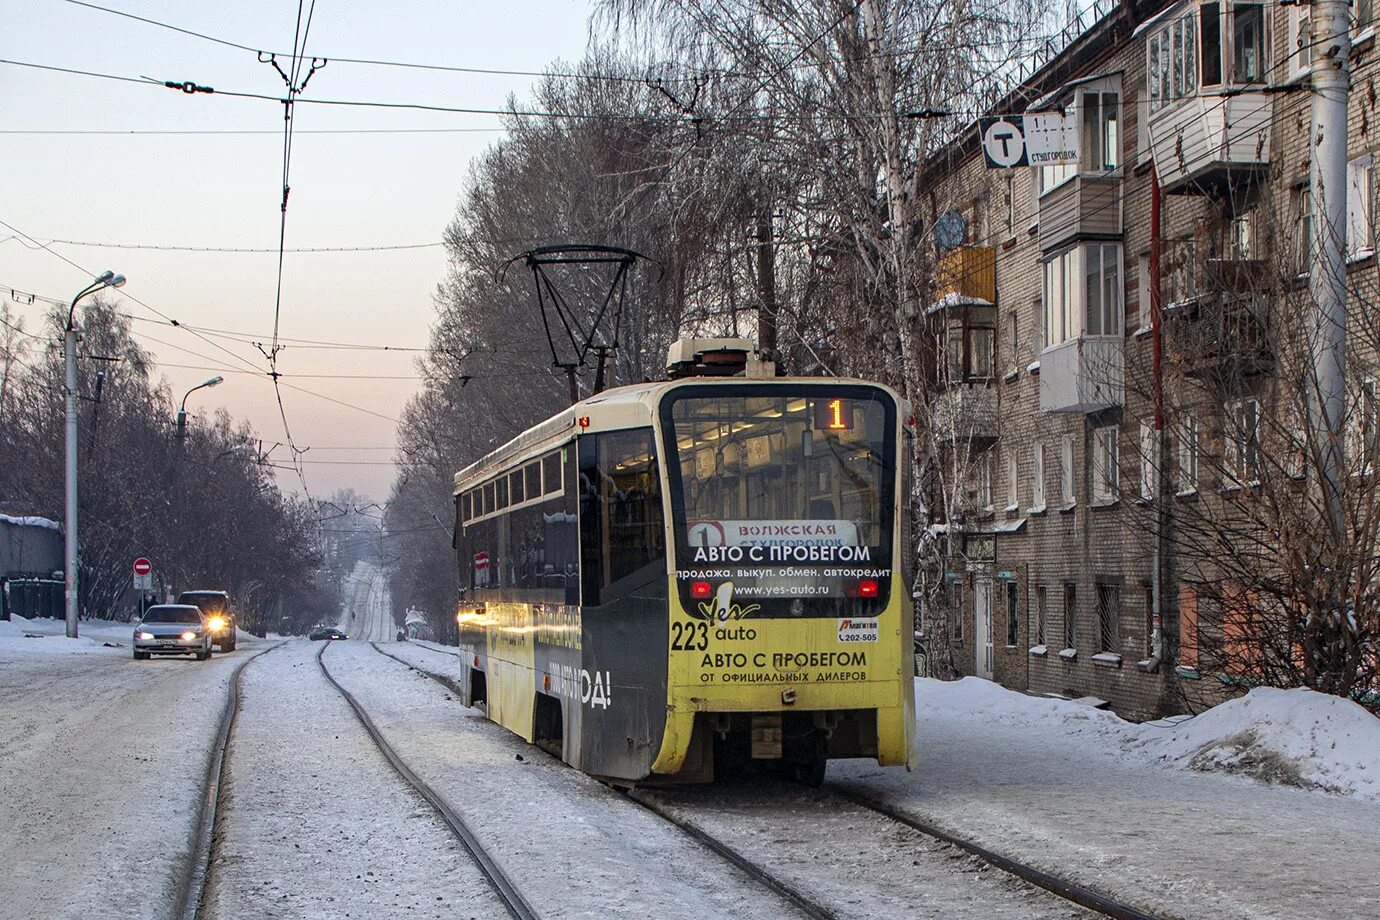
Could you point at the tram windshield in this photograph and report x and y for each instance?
(782, 498)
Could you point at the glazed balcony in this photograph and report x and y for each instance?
(1088, 205)
(1207, 64)
(965, 276)
(1086, 374)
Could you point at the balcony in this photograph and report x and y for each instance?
(1085, 374)
(1215, 320)
(1088, 205)
(964, 413)
(965, 276)
(1209, 119)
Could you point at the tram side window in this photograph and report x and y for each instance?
(551, 472)
(532, 474)
(621, 529)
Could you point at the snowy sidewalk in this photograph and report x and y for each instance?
(1079, 792)
(102, 763)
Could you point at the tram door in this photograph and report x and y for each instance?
(982, 614)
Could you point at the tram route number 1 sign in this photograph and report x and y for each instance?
(1033, 139)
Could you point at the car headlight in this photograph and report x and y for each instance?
(216, 624)
(189, 635)
(143, 635)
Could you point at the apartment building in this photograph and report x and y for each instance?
(1193, 120)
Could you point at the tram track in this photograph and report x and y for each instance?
(196, 869)
(1065, 889)
(513, 900)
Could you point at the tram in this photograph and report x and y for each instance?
(674, 577)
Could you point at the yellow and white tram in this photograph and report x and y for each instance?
(670, 575)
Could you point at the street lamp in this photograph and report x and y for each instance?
(182, 409)
(108, 279)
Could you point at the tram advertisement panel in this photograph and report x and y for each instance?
(782, 499)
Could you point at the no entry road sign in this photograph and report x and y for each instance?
(142, 566)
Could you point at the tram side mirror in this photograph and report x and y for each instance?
(807, 443)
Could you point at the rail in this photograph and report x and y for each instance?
(507, 892)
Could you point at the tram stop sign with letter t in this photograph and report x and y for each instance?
(1032, 139)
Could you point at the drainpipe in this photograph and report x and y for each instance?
(1152, 664)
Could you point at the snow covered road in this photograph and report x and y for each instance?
(102, 763)
(368, 612)
(316, 824)
(573, 846)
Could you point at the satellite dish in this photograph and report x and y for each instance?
(950, 230)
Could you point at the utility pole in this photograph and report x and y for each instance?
(1331, 83)
(69, 342)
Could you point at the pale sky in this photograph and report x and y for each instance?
(223, 190)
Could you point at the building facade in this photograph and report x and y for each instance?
(1093, 438)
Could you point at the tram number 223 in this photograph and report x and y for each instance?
(689, 637)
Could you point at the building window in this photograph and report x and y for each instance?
(1066, 477)
(1300, 41)
(1083, 292)
(1037, 478)
(1013, 614)
(1149, 481)
(1149, 593)
(1101, 131)
(958, 613)
(1303, 239)
(1187, 457)
(1210, 28)
(1010, 203)
(984, 484)
(1105, 464)
(1359, 244)
(1143, 293)
(1103, 292)
(1178, 266)
(1361, 428)
(1051, 177)
(1013, 340)
(1188, 627)
(1248, 42)
(1040, 602)
(1172, 66)
(1243, 438)
(1070, 614)
(977, 352)
(1012, 495)
(1365, 16)
(1108, 617)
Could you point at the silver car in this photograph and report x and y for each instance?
(173, 629)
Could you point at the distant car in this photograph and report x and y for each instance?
(327, 632)
(220, 618)
(173, 629)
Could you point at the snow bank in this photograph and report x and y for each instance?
(1290, 737)
(16, 633)
(31, 522)
(1293, 737)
